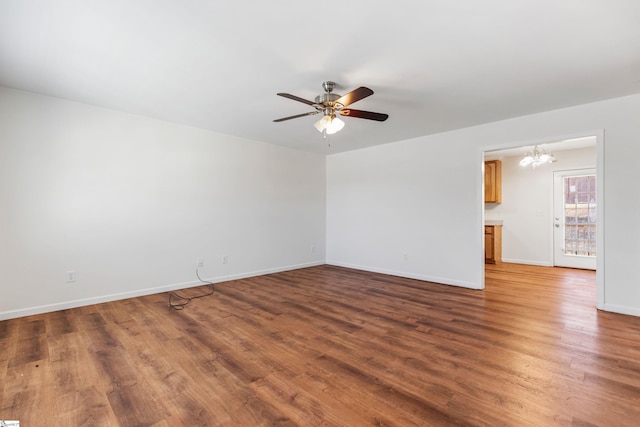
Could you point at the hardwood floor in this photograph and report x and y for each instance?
(334, 347)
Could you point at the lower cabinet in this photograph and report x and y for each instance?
(492, 244)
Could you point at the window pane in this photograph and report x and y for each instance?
(580, 215)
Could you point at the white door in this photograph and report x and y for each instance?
(574, 218)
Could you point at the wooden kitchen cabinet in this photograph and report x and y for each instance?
(492, 244)
(493, 181)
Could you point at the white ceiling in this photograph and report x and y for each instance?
(434, 65)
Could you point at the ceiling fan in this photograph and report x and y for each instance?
(331, 105)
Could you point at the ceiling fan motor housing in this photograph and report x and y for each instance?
(327, 98)
(326, 101)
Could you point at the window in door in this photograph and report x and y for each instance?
(580, 215)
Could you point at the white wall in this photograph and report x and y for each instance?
(407, 209)
(527, 205)
(422, 197)
(131, 203)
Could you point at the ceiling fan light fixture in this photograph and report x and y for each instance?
(335, 126)
(323, 123)
(329, 124)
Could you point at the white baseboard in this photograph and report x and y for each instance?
(22, 312)
(621, 309)
(527, 262)
(434, 279)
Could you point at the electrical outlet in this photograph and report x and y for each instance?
(406, 257)
(313, 249)
(200, 262)
(225, 259)
(71, 276)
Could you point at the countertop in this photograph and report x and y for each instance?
(493, 222)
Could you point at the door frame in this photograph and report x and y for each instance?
(600, 229)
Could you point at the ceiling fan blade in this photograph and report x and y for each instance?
(354, 95)
(297, 98)
(380, 117)
(296, 116)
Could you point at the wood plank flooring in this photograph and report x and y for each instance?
(333, 347)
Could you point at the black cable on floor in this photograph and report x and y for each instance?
(184, 300)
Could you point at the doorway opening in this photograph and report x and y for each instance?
(528, 210)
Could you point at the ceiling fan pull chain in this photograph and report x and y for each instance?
(324, 135)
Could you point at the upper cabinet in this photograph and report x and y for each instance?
(493, 181)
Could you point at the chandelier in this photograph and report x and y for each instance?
(536, 157)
